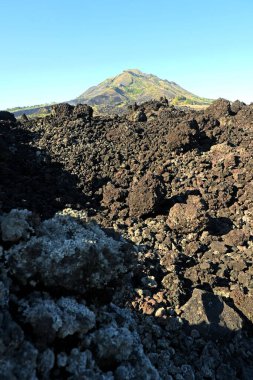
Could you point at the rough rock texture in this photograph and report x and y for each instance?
(59, 319)
(244, 302)
(14, 225)
(188, 217)
(157, 225)
(83, 110)
(183, 136)
(145, 195)
(68, 255)
(138, 115)
(62, 110)
(210, 314)
(237, 106)
(219, 108)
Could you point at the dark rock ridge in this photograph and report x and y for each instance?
(126, 244)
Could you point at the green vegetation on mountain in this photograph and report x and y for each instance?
(115, 94)
(135, 86)
(38, 110)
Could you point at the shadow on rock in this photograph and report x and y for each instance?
(29, 179)
(220, 226)
(55, 276)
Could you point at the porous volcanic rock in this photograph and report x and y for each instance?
(68, 255)
(210, 314)
(158, 226)
(15, 226)
(138, 115)
(244, 302)
(219, 108)
(59, 318)
(146, 195)
(236, 237)
(236, 106)
(183, 136)
(83, 110)
(112, 194)
(188, 217)
(62, 110)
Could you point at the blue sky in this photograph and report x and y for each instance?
(53, 50)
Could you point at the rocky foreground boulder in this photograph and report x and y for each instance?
(64, 255)
(7, 116)
(126, 244)
(145, 195)
(188, 217)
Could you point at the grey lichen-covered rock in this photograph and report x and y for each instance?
(128, 372)
(114, 343)
(46, 362)
(4, 288)
(139, 368)
(67, 254)
(118, 343)
(81, 364)
(17, 356)
(62, 359)
(58, 318)
(15, 225)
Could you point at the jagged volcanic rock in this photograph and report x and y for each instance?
(153, 253)
(146, 195)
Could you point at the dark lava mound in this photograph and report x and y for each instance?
(126, 247)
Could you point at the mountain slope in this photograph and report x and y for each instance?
(135, 86)
(115, 94)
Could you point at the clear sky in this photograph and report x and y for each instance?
(53, 50)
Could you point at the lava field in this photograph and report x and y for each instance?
(126, 244)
